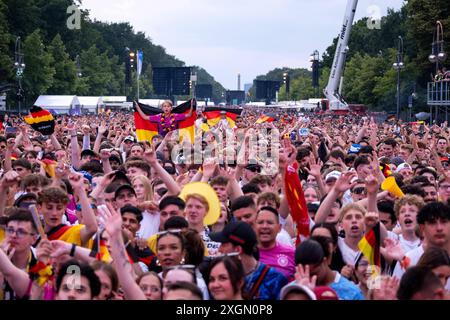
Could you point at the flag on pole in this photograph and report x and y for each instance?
(140, 61)
(370, 245)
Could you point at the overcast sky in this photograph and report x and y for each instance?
(227, 37)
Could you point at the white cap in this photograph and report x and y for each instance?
(403, 166)
(333, 174)
(131, 138)
(294, 286)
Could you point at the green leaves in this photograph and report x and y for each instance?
(39, 70)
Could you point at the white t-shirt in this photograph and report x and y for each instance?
(414, 257)
(149, 224)
(406, 244)
(348, 254)
(284, 238)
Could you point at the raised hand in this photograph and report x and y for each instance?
(105, 154)
(102, 128)
(303, 277)
(392, 250)
(62, 170)
(314, 167)
(209, 166)
(150, 156)
(76, 181)
(111, 219)
(9, 179)
(385, 288)
(372, 184)
(344, 182)
(371, 219)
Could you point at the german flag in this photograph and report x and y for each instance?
(270, 117)
(214, 114)
(49, 167)
(145, 130)
(41, 120)
(70, 234)
(296, 201)
(370, 245)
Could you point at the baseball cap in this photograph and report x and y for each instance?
(238, 233)
(333, 175)
(403, 166)
(87, 175)
(295, 287)
(131, 138)
(124, 187)
(355, 148)
(29, 197)
(325, 293)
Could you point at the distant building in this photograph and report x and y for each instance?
(247, 87)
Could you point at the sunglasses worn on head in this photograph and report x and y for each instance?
(173, 231)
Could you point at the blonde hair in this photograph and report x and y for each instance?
(198, 197)
(166, 101)
(148, 194)
(351, 206)
(410, 199)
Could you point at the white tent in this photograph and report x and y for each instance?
(59, 104)
(91, 104)
(115, 102)
(152, 102)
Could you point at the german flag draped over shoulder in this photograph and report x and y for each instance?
(214, 114)
(145, 130)
(296, 200)
(41, 120)
(370, 245)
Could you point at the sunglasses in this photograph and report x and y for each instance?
(173, 231)
(359, 190)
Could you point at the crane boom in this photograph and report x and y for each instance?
(336, 102)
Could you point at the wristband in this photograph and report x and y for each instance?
(74, 135)
(72, 251)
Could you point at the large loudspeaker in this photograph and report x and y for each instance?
(267, 89)
(170, 81)
(235, 97)
(203, 91)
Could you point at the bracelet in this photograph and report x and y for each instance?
(72, 251)
(74, 135)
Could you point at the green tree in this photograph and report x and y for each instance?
(64, 80)
(5, 39)
(96, 68)
(39, 71)
(421, 25)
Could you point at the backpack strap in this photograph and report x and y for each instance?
(258, 282)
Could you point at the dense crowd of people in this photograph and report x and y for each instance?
(90, 213)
